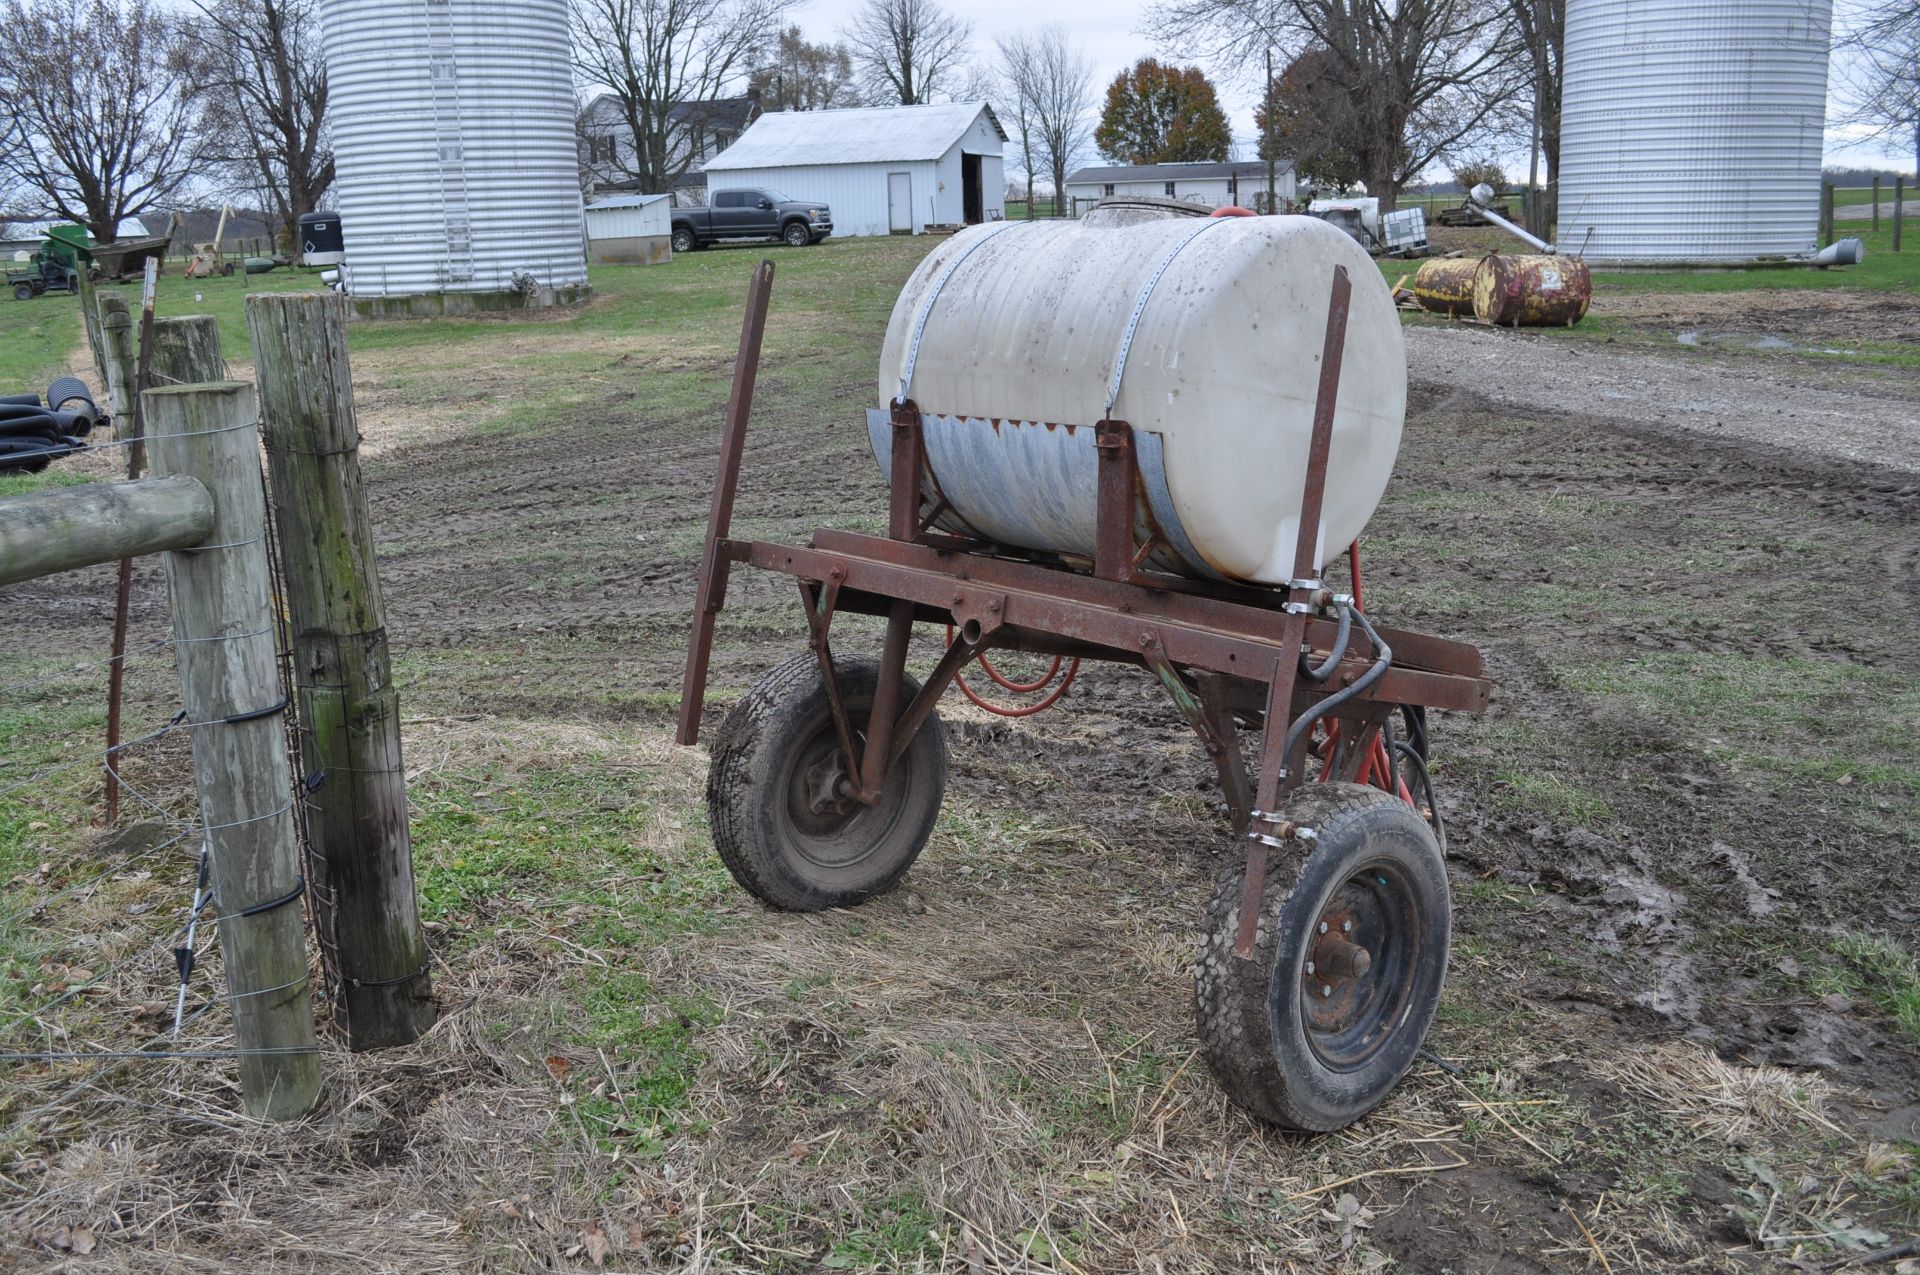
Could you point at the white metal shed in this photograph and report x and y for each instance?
(630, 230)
(883, 169)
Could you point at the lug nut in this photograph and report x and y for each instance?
(1323, 927)
(1346, 925)
(1325, 991)
(1309, 967)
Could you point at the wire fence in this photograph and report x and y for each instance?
(109, 953)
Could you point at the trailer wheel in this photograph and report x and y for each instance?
(1317, 1027)
(781, 819)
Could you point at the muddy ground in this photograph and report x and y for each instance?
(1693, 801)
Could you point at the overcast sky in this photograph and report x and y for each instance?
(1110, 33)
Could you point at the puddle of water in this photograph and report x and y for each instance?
(1737, 340)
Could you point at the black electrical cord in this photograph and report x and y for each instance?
(1339, 652)
(1382, 662)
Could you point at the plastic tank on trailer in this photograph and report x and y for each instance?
(1205, 335)
(453, 136)
(1690, 130)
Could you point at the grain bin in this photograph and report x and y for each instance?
(1690, 130)
(453, 136)
(1203, 334)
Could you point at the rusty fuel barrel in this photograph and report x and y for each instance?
(1444, 285)
(1531, 290)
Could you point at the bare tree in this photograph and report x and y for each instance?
(906, 51)
(97, 99)
(1881, 75)
(661, 59)
(264, 103)
(1420, 76)
(1538, 29)
(1062, 89)
(1017, 95)
(796, 75)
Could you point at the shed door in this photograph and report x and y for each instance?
(900, 203)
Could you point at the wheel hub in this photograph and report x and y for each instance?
(828, 786)
(1334, 979)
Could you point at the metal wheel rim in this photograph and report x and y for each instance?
(847, 837)
(1348, 1019)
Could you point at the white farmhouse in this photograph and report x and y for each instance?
(882, 169)
(1211, 185)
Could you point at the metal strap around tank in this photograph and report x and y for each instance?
(1140, 306)
(933, 294)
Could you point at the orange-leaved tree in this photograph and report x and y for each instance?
(1157, 114)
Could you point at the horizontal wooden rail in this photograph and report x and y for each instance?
(51, 531)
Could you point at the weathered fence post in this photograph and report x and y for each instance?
(230, 684)
(90, 317)
(357, 816)
(117, 345)
(1876, 202)
(186, 351)
(1899, 210)
(1826, 213)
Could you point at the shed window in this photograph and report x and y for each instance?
(1107, 189)
(1170, 190)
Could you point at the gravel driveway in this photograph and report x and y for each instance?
(1792, 404)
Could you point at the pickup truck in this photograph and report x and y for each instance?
(751, 214)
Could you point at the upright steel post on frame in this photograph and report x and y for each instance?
(712, 588)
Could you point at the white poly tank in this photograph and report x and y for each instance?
(453, 141)
(1016, 364)
(1690, 130)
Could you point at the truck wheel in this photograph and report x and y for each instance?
(775, 804)
(23, 292)
(1316, 1028)
(797, 235)
(683, 239)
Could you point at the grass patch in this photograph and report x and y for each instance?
(1880, 971)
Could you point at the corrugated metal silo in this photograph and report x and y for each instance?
(453, 137)
(1690, 130)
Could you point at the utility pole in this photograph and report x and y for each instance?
(1266, 135)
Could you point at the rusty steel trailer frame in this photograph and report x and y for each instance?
(1222, 651)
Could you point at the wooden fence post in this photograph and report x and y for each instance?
(1826, 213)
(1876, 203)
(223, 632)
(117, 345)
(90, 317)
(357, 816)
(186, 351)
(1899, 208)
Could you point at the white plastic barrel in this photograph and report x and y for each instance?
(1016, 359)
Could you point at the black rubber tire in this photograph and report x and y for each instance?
(773, 735)
(23, 292)
(684, 240)
(797, 234)
(1375, 851)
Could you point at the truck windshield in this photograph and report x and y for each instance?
(776, 197)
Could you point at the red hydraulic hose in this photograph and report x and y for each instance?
(1004, 710)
